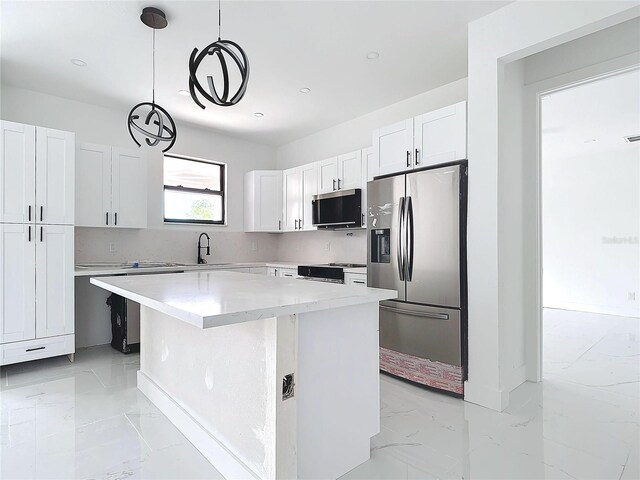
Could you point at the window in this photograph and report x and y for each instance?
(194, 190)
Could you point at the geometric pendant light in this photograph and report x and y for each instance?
(148, 120)
(219, 90)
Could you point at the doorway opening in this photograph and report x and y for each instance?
(590, 219)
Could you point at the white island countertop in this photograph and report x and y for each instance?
(216, 298)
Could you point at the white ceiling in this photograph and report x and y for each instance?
(321, 45)
(591, 118)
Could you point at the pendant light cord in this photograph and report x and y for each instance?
(219, 20)
(153, 68)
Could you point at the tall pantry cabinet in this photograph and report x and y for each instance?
(37, 197)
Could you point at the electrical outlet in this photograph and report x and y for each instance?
(288, 387)
(632, 296)
(112, 247)
(327, 246)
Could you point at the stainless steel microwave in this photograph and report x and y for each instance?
(340, 209)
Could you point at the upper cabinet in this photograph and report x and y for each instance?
(263, 201)
(343, 172)
(440, 136)
(299, 185)
(111, 187)
(36, 174)
(429, 139)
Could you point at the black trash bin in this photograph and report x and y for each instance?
(119, 337)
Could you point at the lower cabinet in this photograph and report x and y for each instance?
(36, 291)
(282, 272)
(356, 279)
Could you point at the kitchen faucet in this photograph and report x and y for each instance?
(201, 260)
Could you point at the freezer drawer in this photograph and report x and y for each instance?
(432, 333)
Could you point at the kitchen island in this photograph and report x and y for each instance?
(267, 377)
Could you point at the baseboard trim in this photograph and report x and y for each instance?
(495, 399)
(229, 465)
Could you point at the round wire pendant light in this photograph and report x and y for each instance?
(226, 52)
(148, 120)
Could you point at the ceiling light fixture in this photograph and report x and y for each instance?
(373, 56)
(305, 90)
(259, 114)
(589, 140)
(184, 93)
(225, 51)
(153, 114)
(78, 63)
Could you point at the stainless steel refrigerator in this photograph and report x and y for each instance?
(416, 231)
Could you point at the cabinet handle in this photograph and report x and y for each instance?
(334, 184)
(106, 222)
(300, 224)
(279, 224)
(408, 158)
(34, 349)
(359, 282)
(29, 212)
(296, 224)
(41, 212)
(29, 233)
(41, 229)
(417, 161)
(338, 184)
(363, 219)
(115, 215)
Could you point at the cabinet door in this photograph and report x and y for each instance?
(309, 188)
(93, 185)
(17, 172)
(291, 199)
(328, 175)
(272, 272)
(355, 279)
(287, 273)
(17, 282)
(55, 176)
(54, 280)
(269, 201)
(350, 170)
(392, 148)
(128, 189)
(441, 136)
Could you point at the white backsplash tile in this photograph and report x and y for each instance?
(93, 245)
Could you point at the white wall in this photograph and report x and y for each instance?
(591, 196)
(357, 133)
(101, 125)
(496, 329)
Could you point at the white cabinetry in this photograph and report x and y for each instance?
(355, 279)
(263, 201)
(300, 184)
(287, 272)
(429, 139)
(343, 172)
(111, 187)
(440, 136)
(36, 174)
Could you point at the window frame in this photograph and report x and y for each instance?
(222, 193)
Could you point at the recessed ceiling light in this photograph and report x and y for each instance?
(259, 114)
(184, 93)
(589, 140)
(373, 56)
(78, 63)
(305, 90)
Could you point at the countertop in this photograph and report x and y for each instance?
(212, 298)
(107, 269)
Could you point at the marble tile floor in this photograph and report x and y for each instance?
(88, 420)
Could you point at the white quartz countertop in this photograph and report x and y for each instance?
(215, 298)
(105, 269)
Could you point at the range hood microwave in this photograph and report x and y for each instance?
(341, 209)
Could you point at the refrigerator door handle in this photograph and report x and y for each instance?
(401, 264)
(437, 316)
(409, 252)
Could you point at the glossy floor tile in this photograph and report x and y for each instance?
(88, 420)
